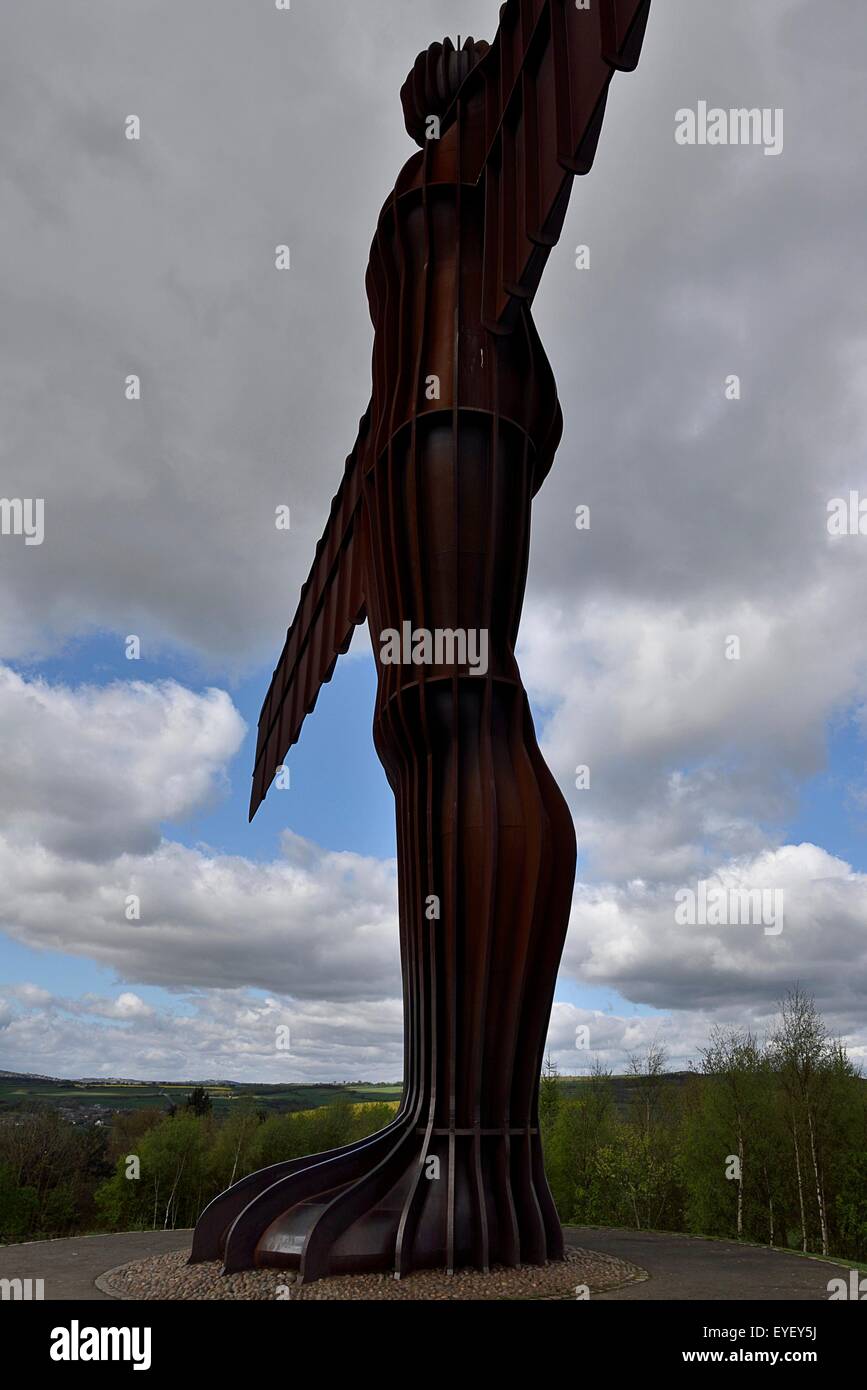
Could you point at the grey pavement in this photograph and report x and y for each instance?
(69, 1267)
(679, 1267)
(689, 1267)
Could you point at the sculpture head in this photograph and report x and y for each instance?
(434, 82)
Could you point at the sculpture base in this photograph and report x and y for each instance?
(581, 1274)
(405, 1199)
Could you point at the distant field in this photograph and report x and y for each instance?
(98, 1100)
(624, 1088)
(25, 1094)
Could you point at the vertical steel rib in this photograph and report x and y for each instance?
(431, 526)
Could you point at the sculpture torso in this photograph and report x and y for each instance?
(424, 287)
(464, 422)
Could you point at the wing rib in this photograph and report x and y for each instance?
(330, 606)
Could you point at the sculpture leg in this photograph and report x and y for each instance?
(482, 830)
(501, 851)
(458, 1178)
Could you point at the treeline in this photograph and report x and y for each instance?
(49, 1173)
(152, 1169)
(767, 1144)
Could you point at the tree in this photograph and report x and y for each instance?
(733, 1060)
(851, 1204)
(804, 1059)
(199, 1101)
(229, 1155)
(549, 1093)
(18, 1207)
(643, 1174)
(576, 1133)
(649, 1073)
(172, 1185)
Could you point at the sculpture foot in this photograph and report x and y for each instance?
(407, 1198)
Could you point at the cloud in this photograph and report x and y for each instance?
(156, 258)
(691, 756)
(316, 930)
(708, 515)
(233, 1035)
(91, 774)
(312, 923)
(92, 771)
(626, 937)
(124, 1008)
(580, 1039)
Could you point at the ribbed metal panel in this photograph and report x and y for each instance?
(431, 526)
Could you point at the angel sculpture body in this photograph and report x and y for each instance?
(431, 528)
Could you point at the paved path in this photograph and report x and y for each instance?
(69, 1267)
(687, 1267)
(680, 1267)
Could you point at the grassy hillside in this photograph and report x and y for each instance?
(77, 1099)
(19, 1092)
(83, 1100)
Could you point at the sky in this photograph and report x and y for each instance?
(708, 521)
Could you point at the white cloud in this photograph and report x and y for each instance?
(316, 930)
(125, 1008)
(692, 756)
(91, 770)
(626, 937)
(313, 923)
(230, 1035)
(91, 774)
(708, 517)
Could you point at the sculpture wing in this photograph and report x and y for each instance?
(546, 82)
(330, 606)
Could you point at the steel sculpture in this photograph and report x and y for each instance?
(430, 527)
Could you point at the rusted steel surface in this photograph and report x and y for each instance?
(330, 607)
(431, 527)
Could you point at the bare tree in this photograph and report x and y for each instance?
(804, 1060)
(649, 1072)
(734, 1058)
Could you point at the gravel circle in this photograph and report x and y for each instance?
(170, 1277)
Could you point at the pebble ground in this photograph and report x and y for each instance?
(170, 1277)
